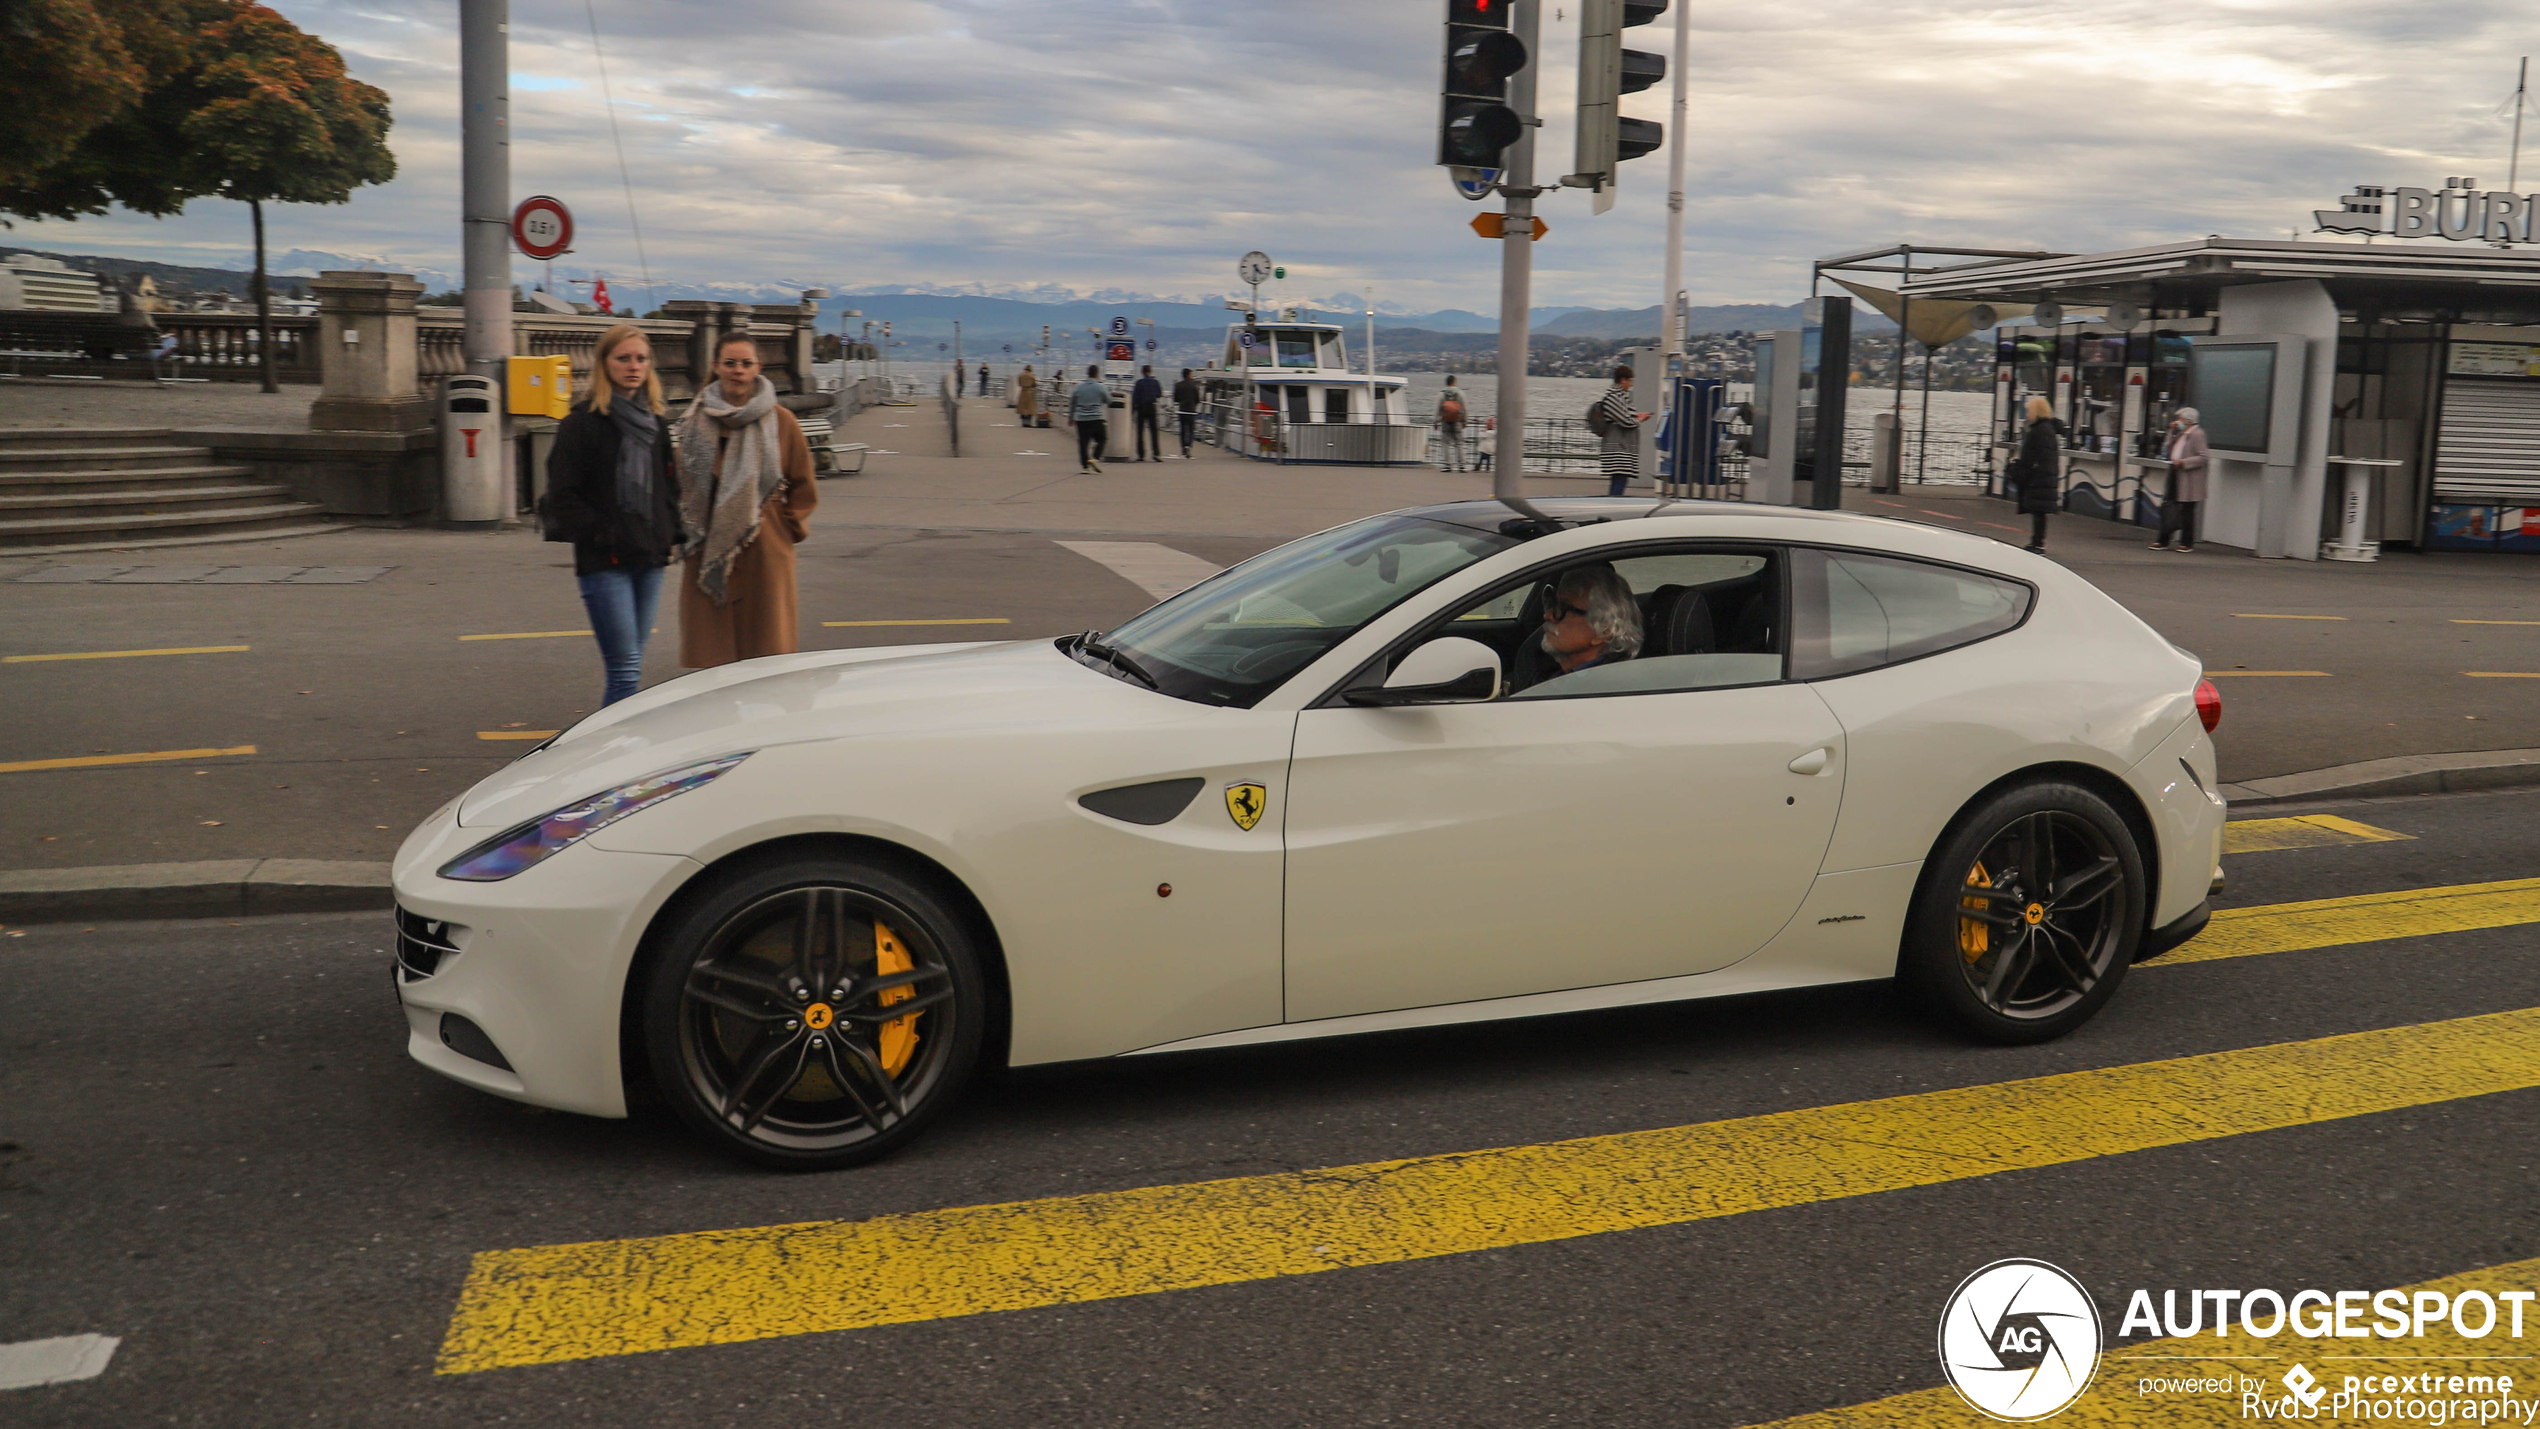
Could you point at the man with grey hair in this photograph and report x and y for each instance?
(1591, 619)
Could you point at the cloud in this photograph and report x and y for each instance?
(1007, 148)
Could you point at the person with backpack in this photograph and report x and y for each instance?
(1186, 404)
(1450, 427)
(1617, 429)
(1089, 412)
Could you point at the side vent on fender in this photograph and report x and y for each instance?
(1158, 803)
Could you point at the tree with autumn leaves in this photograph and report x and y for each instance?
(154, 103)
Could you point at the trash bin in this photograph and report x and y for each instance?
(472, 492)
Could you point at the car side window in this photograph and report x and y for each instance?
(1707, 618)
(1853, 611)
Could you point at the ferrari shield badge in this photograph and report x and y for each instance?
(1245, 802)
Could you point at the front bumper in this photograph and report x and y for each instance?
(537, 962)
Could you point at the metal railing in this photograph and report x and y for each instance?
(217, 346)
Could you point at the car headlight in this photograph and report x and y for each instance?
(514, 849)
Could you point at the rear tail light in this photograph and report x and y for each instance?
(2208, 704)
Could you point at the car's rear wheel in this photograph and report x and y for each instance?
(816, 1013)
(2028, 914)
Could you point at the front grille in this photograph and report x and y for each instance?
(423, 945)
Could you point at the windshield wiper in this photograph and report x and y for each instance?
(1087, 644)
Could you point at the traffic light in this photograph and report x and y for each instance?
(1475, 122)
(1607, 72)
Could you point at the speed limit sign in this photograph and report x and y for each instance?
(542, 227)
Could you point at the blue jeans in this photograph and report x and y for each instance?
(621, 601)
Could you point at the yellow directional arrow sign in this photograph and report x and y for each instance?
(1495, 225)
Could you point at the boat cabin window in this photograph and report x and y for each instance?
(1377, 395)
(1296, 349)
(1331, 342)
(1300, 404)
(1336, 404)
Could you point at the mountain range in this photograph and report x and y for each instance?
(988, 322)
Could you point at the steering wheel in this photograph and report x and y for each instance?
(1253, 662)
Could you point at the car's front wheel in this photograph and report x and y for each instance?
(2028, 914)
(815, 1013)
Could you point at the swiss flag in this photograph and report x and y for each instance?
(600, 295)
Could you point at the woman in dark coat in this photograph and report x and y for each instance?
(612, 490)
(2040, 467)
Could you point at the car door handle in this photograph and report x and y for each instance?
(1811, 762)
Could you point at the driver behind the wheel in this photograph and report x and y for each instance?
(1589, 620)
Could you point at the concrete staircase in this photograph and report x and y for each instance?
(73, 489)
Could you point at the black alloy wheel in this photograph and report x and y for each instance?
(814, 1014)
(2029, 913)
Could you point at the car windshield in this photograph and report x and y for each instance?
(1232, 638)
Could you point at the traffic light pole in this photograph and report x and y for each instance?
(1516, 275)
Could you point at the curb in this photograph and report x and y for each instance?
(2405, 774)
(221, 888)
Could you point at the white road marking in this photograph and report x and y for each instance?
(29, 1363)
(1031, 453)
(1160, 571)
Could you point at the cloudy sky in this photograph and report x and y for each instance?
(1138, 147)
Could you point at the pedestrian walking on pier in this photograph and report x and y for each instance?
(1089, 412)
(613, 491)
(2186, 491)
(746, 495)
(1486, 446)
(1450, 417)
(2038, 470)
(1027, 396)
(1145, 400)
(961, 380)
(983, 377)
(1617, 428)
(1186, 400)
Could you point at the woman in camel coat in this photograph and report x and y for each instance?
(1027, 396)
(746, 494)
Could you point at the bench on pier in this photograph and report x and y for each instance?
(829, 456)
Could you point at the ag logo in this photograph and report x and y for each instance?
(2020, 1340)
(1245, 803)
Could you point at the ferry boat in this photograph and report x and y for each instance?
(1301, 403)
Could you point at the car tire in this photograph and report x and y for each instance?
(766, 1010)
(2002, 953)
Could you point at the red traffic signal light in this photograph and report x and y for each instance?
(1475, 122)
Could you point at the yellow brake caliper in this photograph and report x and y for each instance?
(898, 1038)
(1975, 937)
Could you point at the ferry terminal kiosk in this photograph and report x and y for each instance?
(2417, 361)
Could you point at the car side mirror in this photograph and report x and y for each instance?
(1448, 671)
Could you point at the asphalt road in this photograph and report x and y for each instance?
(213, 1146)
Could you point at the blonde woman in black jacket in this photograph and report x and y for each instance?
(613, 491)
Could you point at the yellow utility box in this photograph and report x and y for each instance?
(541, 386)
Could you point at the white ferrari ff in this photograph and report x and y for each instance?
(807, 896)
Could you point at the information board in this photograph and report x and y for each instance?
(2495, 359)
(2234, 387)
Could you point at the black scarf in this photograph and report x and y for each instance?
(638, 453)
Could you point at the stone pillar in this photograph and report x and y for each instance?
(703, 318)
(367, 355)
(798, 345)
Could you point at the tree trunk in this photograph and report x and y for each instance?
(264, 302)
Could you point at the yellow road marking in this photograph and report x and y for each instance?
(2361, 918)
(93, 761)
(2496, 622)
(518, 733)
(527, 635)
(2502, 674)
(2250, 615)
(2117, 1397)
(125, 654)
(2304, 831)
(965, 620)
(549, 1304)
(2218, 674)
